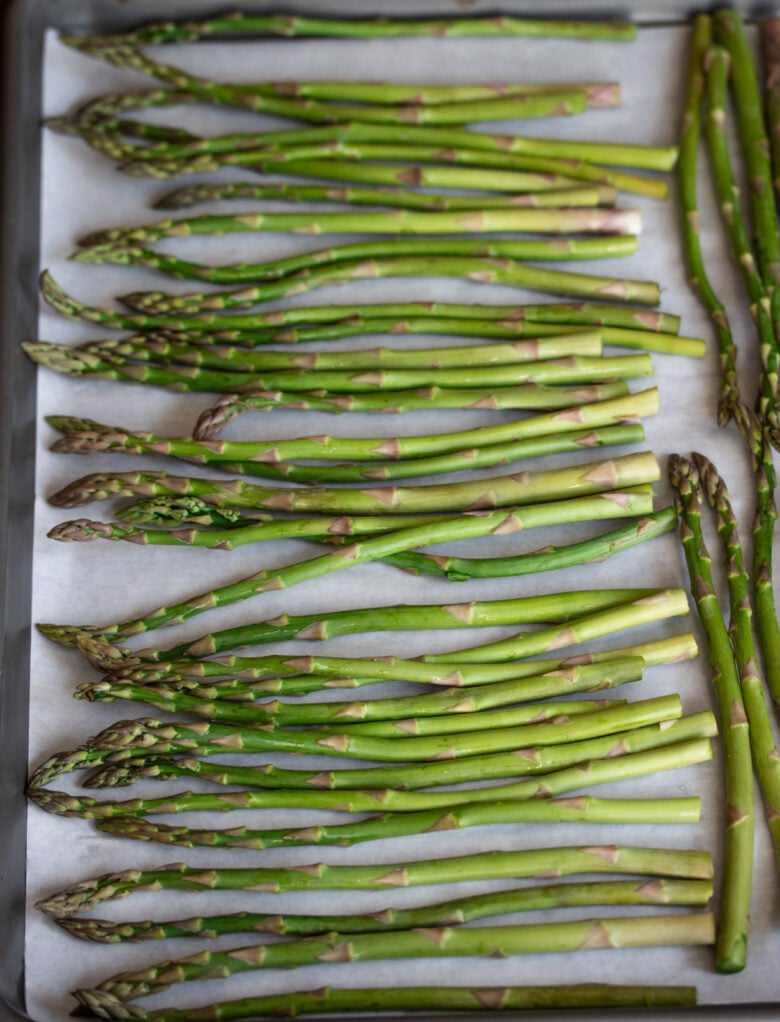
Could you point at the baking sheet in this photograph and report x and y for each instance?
(103, 582)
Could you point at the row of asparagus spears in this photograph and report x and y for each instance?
(493, 712)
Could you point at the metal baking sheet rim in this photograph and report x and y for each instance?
(23, 24)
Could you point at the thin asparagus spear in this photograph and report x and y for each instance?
(733, 922)
(467, 909)
(584, 195)
(598, 195)
(534, 221)
(568, 861)
(157, 304)
(570, 810)
(165, 348)
(729, 401)
(751, 679)
(291, 26)
(587, 934)
(536, 249)
(602, 771)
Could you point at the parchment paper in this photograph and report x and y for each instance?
(105, 582)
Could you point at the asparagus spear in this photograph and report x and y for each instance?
(567, 861)
(467, 909)
(533, 221)
(387, 195)
(733, 922)
(728, 194)
(161, 347)
(290, 26)
(478, 270)
(568, 810)
(587, 934)
(329, 1000)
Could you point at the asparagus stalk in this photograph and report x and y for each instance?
(587, 934)
(240, 24)
(733, 922)
(729, 405)
(598, 477)
(397, 197)
(388, 195)
(751, 679)
(569, 810)
(533, 221)
(172, 348)
(602, 771)
(475, 269)
(568, 861)
(329, 1000)
(467, 909)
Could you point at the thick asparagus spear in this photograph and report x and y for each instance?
(567, 860)
(733, 921)
(240, 24)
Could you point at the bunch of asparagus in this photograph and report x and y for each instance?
(429, 741)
